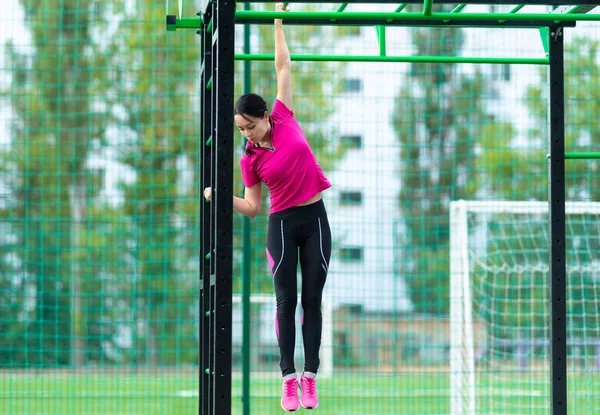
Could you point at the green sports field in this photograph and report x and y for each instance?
(170, 394)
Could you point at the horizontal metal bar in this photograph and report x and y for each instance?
(583, 155)
(249, 16)
(428, 59)
(457, 9)
(398, 10)
(398, 22)
(397, 19)
(187, 23)
(514, 10)
(341, 8)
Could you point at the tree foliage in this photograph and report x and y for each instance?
(440, 120)
(48, 181)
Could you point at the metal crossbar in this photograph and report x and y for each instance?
(370, 18)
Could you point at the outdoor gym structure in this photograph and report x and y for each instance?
(216, 26)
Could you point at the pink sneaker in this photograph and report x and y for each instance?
(289, 397)
(309, 399)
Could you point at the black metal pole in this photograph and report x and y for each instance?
(223, 49)
(399, 22)
(556, 199)
(246, 256)
(205, 316)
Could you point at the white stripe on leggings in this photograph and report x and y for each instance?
(282, 251)
(325, 264)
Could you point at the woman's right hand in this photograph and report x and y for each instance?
(208, 193)
(281, 7)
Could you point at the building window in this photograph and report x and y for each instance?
(352, 85)
(352, 141)
(351, 198)
(351, 253)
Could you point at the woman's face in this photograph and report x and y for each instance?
(254, 129)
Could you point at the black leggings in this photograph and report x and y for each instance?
(303, 231)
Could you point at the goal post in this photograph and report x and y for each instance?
(462, 360)
(499, 301)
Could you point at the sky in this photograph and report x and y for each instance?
(9, 28)
(490, 43)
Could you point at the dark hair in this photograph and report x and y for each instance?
(250, 104)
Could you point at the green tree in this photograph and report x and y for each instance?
(440, 116)
(582, 103)
(12, 296)
(582, 133)
(158, 85)
(46, 175)
(105, 282)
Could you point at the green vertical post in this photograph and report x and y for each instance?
(380, 30)
(545, 34)
(427, 6)
(246, 256)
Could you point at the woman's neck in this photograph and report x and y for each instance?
(266, 140)
(265, 143)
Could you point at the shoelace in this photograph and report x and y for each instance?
(291, 387)
(311, 385)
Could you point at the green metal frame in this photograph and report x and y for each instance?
(398, 17)
(583, 155)
(562, 16)
(384, 58)
(565, 15)
(369, 18)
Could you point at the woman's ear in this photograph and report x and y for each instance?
(266, 116)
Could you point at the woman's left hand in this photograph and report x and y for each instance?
(208, 193)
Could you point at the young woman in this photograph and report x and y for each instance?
(278, 154)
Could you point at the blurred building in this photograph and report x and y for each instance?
(363, 203)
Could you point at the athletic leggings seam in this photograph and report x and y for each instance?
(282, 250)
(321, 246)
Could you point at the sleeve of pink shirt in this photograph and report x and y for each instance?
(248, 175)
(281, 112)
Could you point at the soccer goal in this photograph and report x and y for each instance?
(500, 302)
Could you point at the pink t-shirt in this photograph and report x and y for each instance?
(290, 171)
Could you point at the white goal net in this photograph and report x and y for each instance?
(500, 307)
